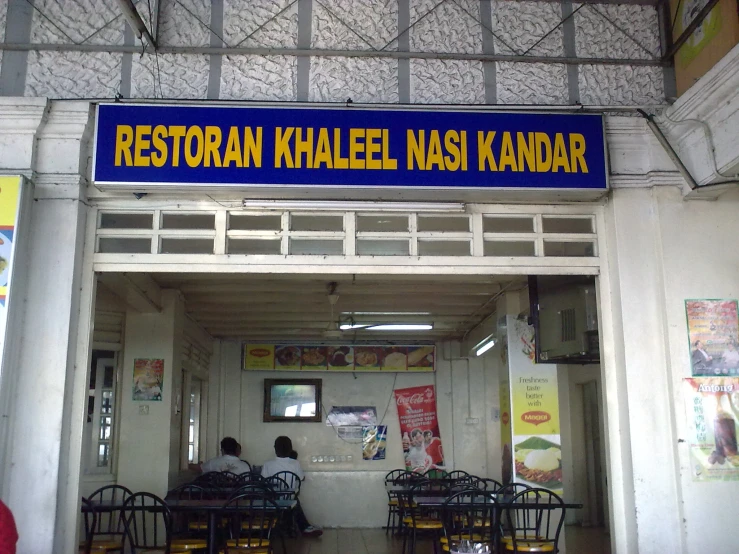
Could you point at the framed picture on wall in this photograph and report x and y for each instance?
(148, 379)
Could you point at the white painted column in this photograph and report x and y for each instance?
(636, 283)
(149, 433)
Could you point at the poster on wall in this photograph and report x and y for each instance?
(506, 436)
(419, 428)
(299, 357)
(148, 379)
(534, 401)
(713, 331)
(374, 440)
(709, 28)
(712, 405)
(10, 197)
(352, 415)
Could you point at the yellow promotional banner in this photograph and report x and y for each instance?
(299, 357)
(10, 195)
(534, 411)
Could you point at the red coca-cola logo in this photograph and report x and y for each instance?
(259, 352)
(536, 418)
(415, 398)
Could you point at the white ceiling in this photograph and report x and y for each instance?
(264, 307)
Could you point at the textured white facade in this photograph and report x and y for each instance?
(455, 31)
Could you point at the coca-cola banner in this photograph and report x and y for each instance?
(419, 428)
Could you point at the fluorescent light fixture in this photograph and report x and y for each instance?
(387, 326)
(354, 206)
(484, 345)
(384, 313)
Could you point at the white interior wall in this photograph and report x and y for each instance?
(353, 494)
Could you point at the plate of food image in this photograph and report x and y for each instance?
(287, 356)
(539, 463)
(340, 356)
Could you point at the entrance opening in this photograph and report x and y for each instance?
(201, 324)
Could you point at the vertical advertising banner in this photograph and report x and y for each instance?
(537, 450)
(419, 428)
(10, 196)
(713, 331)
(712, 405)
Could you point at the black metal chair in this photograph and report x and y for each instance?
(418, 520)
(248, 477)
(292, 480)
(395, 477)
(148, 523)
(486, 484)
(108, 531)
(189, 525)
(458, 475)
(252, 518)
(536, 526)
(89, 518)
(470, 515)
(285, 485)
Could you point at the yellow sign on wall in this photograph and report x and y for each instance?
(10, 194)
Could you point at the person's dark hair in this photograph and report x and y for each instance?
(229, 446)
(283, 446)
(416, 432)
(293, 455)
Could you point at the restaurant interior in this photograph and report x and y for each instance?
(204, 328)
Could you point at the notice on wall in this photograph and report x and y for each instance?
(506, 434)
(713, 331)
(297, 357)
(537, 450)
(148, 379)
(10, 197)
(712, 405)
(419, 428)
(374, 440)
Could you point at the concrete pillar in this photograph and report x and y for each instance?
(149, 432)
(637, 288)
(37, 390)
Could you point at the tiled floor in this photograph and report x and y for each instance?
(374, 541)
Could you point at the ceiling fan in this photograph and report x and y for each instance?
(332, 330)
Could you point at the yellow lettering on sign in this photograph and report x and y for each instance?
(452, 161)
(485, 150)
(252, 147)
(373, 147)
(282, 146)
(123, 143)
(434, 156)
(577, 152)
(213, 138)
(304, 147)
(387, 161)
(463, 148)
(526, 151)
(356, 147)
(507, 154)
(157, 141)
(194, 134)
(323, 150)
(176, 132)
(560, 154)
(416, 149)
(142, 143)
(339, 161)
(543, 152)
(233, 149)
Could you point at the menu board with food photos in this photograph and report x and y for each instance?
(296, 357)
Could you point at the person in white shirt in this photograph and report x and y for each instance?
(228, 460)
(283, 462)
(730, 357)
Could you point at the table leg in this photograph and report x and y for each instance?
(212, 528)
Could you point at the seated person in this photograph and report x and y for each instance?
(228, 460)
(284, 462)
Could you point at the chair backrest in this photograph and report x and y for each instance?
(471, 514)
(110, 521)
(458, 475)
(248, 464)
(511, 489)
(182, 521)
(251, 516)
(148, 522)
(255, 487)
(89, 518)
(292, 480)
(248, 477)
(486, 484)
(535, 514)
(280, 488)
(189, 491)
(396, 474)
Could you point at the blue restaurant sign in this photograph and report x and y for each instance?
(156, 145)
